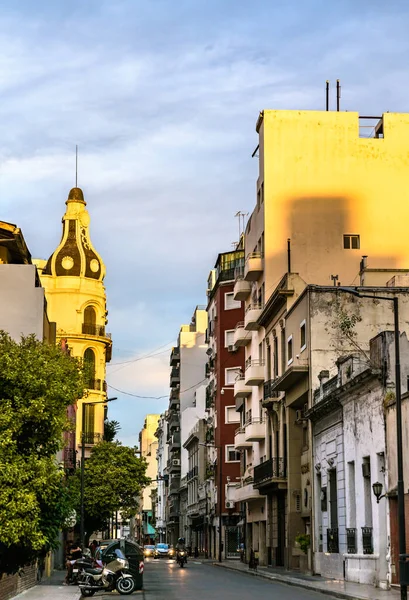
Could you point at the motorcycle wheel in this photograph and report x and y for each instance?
(88, 593)
(125, 585)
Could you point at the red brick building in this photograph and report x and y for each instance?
(226, 361)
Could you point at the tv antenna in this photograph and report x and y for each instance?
(241, 217)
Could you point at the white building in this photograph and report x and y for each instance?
(162, 459)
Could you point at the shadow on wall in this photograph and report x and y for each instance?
(327, 239)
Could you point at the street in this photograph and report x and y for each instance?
(163, 579)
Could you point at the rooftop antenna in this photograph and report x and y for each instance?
(241, 215)
(76, 165)
(327, 95)
(338, 94)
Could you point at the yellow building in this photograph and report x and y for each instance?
(73, 280)
(148, 445)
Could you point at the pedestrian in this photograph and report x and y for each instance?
(74, 554)
(93, 547)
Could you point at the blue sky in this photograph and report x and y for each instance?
(162, 98)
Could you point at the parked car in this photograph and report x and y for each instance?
(161, 551)
(148, 550)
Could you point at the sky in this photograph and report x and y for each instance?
(162, 98)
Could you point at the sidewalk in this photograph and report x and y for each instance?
(51, 589)
(331, 587)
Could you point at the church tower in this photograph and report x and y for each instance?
(76, 300)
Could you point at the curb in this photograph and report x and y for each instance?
(296, 583)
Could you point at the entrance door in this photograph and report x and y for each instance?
(280, 530)
(232, 542)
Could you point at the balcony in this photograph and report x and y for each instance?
(240, 442)
(270, 472)
(174, 422)
(254, 373)
(241, 390)
(92, 329)
(352, 547)
(332, 540)
(174, 377)
(174, 509)
(242, 289)
(367, 540)
(245, 493)
(175, 442)
(94, 384)
(241, 336)
(174, 486)
(252, 316)
(210, 396)
(255, 430)
(253, 267)
(90, 438)
(175, 356)
(270, 396)
(174, 399)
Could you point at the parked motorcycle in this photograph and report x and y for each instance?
(181, 558)
(113, 576)
(80, 564)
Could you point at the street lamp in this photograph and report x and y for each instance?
(220, 495)
(377, 490)
(403, 565)
(82, 522)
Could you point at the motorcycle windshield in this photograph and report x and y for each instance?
(119, 554)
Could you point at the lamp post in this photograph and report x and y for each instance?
(399, 444)
(220, 494)
(82, 522)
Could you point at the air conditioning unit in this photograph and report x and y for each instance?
(176, 462)
(229, 504)
(366, 469)
(232, 348)
(300, 414)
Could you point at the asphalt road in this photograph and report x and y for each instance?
(164, 580)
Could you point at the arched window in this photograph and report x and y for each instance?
(89, 365)
(90, 319)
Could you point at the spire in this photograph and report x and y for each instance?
(76, 195)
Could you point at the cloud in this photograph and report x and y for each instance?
(162, 98)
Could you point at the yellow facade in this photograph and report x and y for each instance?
(148, 445)
(319, 180)
(73, 281)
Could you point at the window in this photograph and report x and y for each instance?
(230, 303)
(232, 416)
(89, 421)
(229, 338)
(230, 375)
(303, 336)
(290, 350)
(90, 317)
(351, 242)
(232, 455)
(89, 364)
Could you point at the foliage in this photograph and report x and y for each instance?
(111, 428)
(304, 541)
(37, 384)
(114, 477)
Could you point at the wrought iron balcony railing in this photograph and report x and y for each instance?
(332, 540)
(351, 540)
(268, 391)
(274, 468)
(91, 438)
(367, 540)
(92, 329)
(95, 384)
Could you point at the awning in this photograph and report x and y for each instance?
(148, 529)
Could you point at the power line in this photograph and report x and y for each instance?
(136, 395)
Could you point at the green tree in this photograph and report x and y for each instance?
(114, 477)
(37, 384)
(111, 428)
